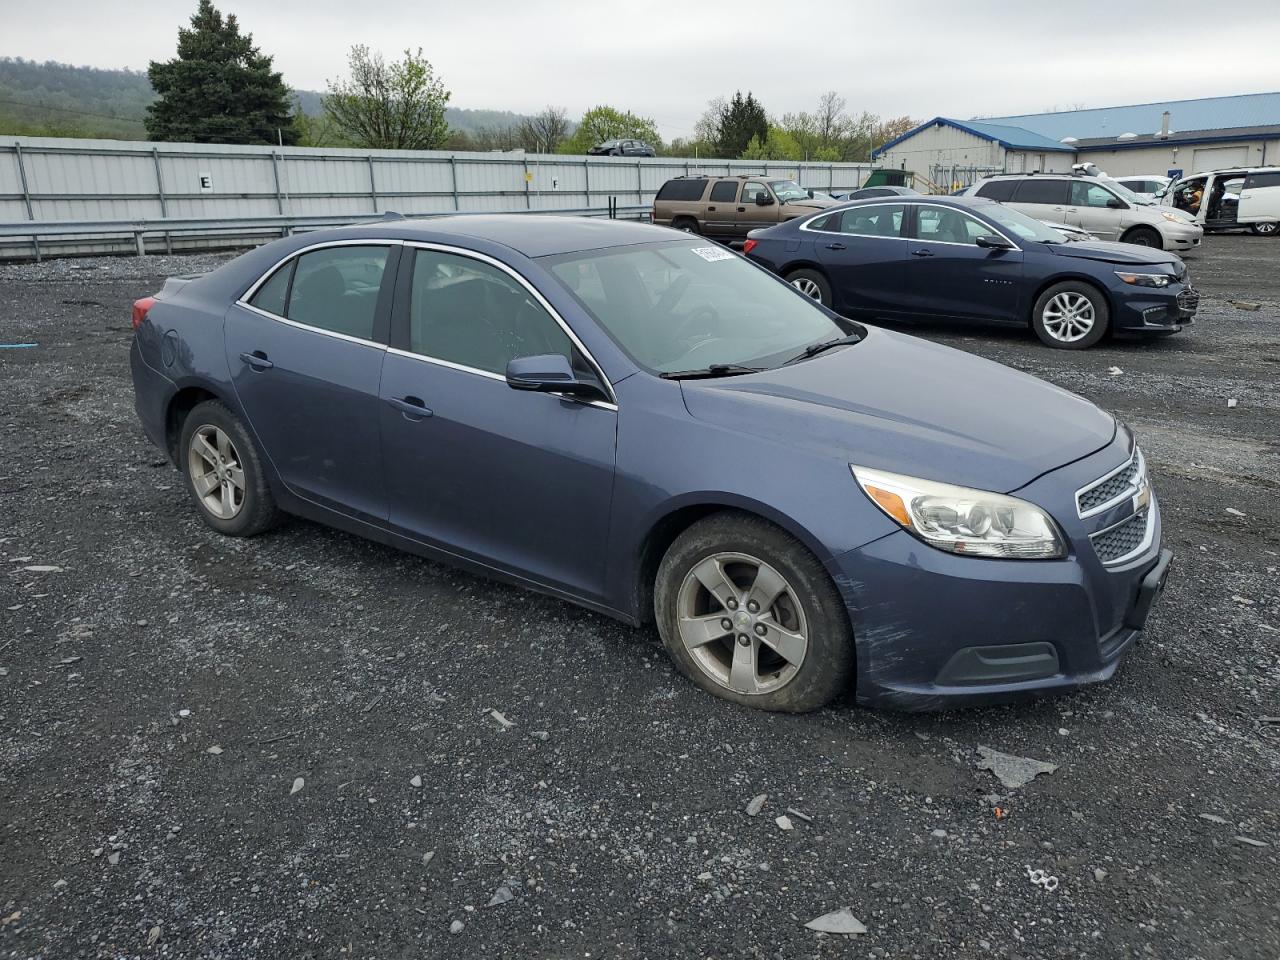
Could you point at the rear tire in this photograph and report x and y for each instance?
(687, 224)
(1265, 229)
(224, 473)
(790, 650)
(812, 284)
(1070, 316)
(1143, 237)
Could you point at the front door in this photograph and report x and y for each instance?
(750, 213)
(305, 355)
(864, 251)
(1090, 208)
(949, 275)
(516, 480)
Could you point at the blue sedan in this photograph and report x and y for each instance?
(633, 420)
(969, 259)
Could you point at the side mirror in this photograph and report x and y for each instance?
(548, 373)
(810, 192)
(1115, 203)
(989, 241)
(763, 200)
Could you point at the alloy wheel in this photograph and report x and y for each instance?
(1069, 316)
(1266, 229)
(808, 287)
(742, 623)
(216, 472)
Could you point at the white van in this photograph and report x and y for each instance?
(1224, 199)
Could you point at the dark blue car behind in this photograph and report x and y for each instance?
(974, 260)
(650, 426)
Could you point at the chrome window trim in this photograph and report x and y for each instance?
(1139, 481)
(1148, 535)
(319, 245)
(964, 213)
(537, 295)
(488, 375)
(866, 236)
(310, 329)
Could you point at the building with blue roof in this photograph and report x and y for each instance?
(1188, 136)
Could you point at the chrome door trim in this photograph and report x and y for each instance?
(245, 297)
(865, 236)
(310, 329)
(963, 213)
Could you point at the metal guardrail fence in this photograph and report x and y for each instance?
(45, 180)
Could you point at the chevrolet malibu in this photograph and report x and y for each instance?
(654, 428)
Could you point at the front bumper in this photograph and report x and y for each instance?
(935, 630)
(1145, 310)
(1181, 236)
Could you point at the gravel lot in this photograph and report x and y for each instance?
(284, 747)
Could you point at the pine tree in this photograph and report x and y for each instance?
(740, 119)
(219, 89)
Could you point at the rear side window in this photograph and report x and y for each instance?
(881, 220)
(1033, 190)
(1268, 179)
(682, 190)
(998, 189)
(273, 295)
(336, 289)
(724, 191)
(830, 222)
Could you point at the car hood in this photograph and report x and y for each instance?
(1109, 251)
(812, 203)
(902, 404)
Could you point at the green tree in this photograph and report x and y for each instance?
(740, 119)
(778, 145)
(219, 89)
(608, 123)
(389, 106)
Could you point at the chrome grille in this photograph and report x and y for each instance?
(1121, 540)
(1114, 487)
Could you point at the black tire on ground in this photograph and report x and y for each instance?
(1102, 315)
(687, 224)
(812, 284)
(1271, 229)
(827, 668)
(1144, 237)
(258, 511)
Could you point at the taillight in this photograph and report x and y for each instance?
(140, 308)
(746, 248)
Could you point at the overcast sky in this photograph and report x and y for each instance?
(666, 59)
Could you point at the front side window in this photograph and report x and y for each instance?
(943, 225)
(788, 191)
(1085, 194)
(681, 305)
(471, 313)
(751, 190)
(336, 289)
(881, 220)
(724, 191)
(1036, 190)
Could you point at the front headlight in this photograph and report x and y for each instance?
(1174, 218)
(974, 523)
(1144, 279)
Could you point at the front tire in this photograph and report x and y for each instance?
(1070, 316)
(1143, 237)
(812, 284)
(1265, 229)
(788, 645)
(224, 474)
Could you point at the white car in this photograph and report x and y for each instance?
(1227, 199)
(1149, 186)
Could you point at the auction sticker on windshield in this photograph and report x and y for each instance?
(712, 254)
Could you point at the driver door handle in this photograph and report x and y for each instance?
(411, 407)
(922, 252)
(742, 209)
(258, 360)
(836, 246)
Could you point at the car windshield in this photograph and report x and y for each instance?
(788, 190)
(1027, 228)
(677, 306)
(1126, 194)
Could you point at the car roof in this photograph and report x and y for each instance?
(534, 235)
(918, 198)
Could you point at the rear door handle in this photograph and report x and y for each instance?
(742, 209)
(922, 252)
(710, 208)
(411, 407)
(836, 246)
(258, 360)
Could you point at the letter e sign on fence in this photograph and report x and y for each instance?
(206, 182)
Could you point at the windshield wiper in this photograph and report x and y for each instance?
(816, 348)
(714, 370)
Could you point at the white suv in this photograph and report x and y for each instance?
(1100, 206)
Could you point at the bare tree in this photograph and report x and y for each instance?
(830, 118)
(545, 131)
(393, 106)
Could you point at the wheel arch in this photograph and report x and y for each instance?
(1140, 227)
(1068, 278)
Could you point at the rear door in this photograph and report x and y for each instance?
(305, 348)
(863, 250)
(1089, 208)
(1044, 198)
(1260, 197)
(948, 275)
(722, 207)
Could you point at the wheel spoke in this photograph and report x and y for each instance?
(768, 586)
(712, 576)
(228, 500)
(742, 675)
(206, 483)
(224, 445)
(789, 645)
(203, 447)
(236, 475)
(699, 631)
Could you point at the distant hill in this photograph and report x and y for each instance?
(59, 100)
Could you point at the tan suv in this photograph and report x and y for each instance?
(732, 206)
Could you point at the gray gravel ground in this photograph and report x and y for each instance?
(282, 747)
